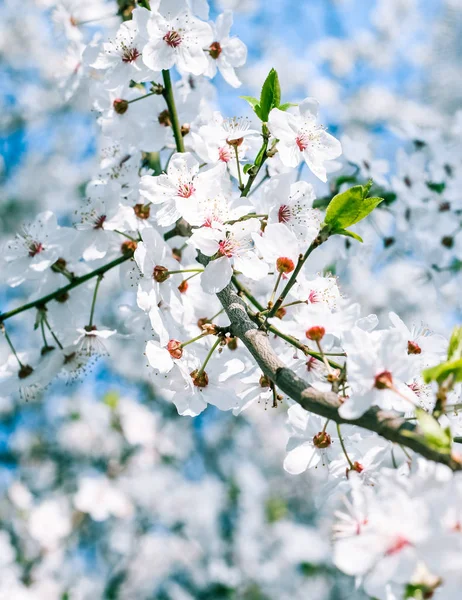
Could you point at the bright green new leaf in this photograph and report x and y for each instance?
(270, 95)
(350, 207)
(442, 371)
(349, 233)
(435, 435)
(286, 105)
(455, 344)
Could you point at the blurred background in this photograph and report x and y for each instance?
(105, 492)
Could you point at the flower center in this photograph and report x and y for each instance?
(99, 222)
(35, 248)
(399, 544)
(186, 190)
(302, 141)
(413, 348)
(129, 55)
(224, 154)
(215, 50)
(383, 380)
(322, 440)
(172, 38)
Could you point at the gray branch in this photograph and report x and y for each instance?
(390, 425)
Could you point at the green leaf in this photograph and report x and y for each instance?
(435, 435)
(442, 371)
(455, 343)
(349, 233)
(251, 100)
(286, 105)
(270, 95)
(436, 187)
(350, 207)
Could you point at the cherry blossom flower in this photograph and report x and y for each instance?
(301, 138)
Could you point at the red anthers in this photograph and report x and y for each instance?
(160, 274)
(284, 265)
(383, 380)
(322, 440)
(183, 287)
(315, 333)
(35, 248)
(413, 348)
(175, 349)
(215, 50)
(120, 106)
(200, 380)
(172, 38)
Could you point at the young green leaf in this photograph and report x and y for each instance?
(442, 371)
(286, 105)
(270, 95)
(435, 435)
(350, 207)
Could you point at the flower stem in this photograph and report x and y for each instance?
(208, 357)
(170, 100)
(93, 302)
(63, 290)
(10, 344)
(241, 187)
(342, 444)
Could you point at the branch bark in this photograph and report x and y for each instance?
(390, 425)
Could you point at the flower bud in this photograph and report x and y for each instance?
(285, 265)
(232, 343)
(175, 349)
(200, 380)
(142, 211)
(315, 333)
(182, 288)
(120, 106)
(160, 273)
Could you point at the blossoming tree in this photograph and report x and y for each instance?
(206, 231)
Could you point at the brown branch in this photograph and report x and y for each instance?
(390, 425)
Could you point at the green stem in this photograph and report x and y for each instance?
(194, 339)
(44, 318)
(241, 187)
(141, 97)
(63, 290)
(293, 278)
(170, 100)
(93, 302)
(208, 357)
(10, 344)
(343, 447)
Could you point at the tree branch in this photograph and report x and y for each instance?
(390, 425)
